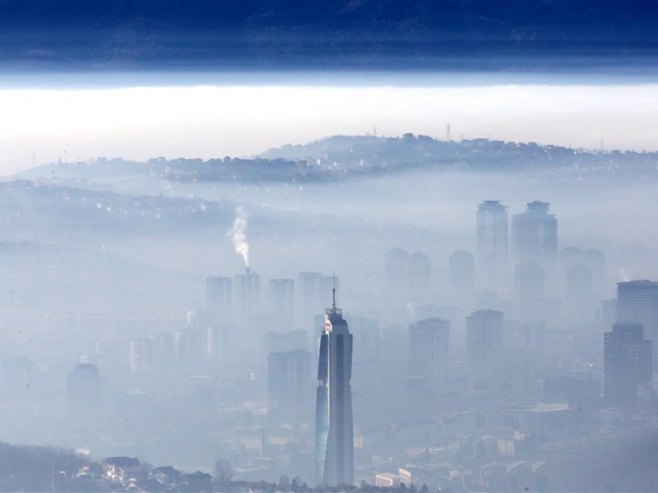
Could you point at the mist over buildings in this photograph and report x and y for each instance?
(171, 310)
(323, 246)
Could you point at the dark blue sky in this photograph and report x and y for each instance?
(504, 35)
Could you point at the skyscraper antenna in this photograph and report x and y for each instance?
(333, 295)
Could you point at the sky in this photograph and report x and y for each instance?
(45, 125)
(342, 34)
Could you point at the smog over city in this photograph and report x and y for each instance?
(328, 246)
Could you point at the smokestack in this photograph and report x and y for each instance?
(238, 235)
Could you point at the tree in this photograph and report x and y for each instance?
(223, 471)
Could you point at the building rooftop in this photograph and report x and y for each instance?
(122, 461)
(492, 204)
(86, 369)
(639, 283)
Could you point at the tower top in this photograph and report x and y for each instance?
(333, 314)
(333, 295)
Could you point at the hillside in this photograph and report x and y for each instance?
(340, 158)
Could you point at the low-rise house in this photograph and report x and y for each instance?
(120, 469)
(145, 486)
(166, 475)
(197, 482)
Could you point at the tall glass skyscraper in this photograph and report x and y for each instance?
(334, 442)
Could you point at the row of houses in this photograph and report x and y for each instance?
(128, 474)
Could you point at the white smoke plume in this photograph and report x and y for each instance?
(238, 234)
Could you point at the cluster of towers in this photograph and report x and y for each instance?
(236, 304)
(631, 345)
(533, 253)
(521, 291)
(408, 276)
(237, 301)
(524, 256)
(526, 265)
(522, 262)
(516, 262)
(430, 350)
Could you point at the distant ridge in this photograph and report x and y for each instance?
(345, 157)
(371, 154)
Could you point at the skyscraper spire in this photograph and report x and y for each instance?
(333, 295)
(334, 441)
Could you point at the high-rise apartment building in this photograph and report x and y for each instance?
(419, 278)
(582, 275)
(395, 274)
(311, 292)
(484, 344)
(429, 344)
(534, 239)
(282, 299)
(637, 301)
(277, 342)
(627, 366)
(219, 301)
(191, 346)
(289, 384)
(461, 272)
(492, 244)
(530, 286)
(84, 389)
(579, 293)
(246, 298)
(595, 260)
(141, 354)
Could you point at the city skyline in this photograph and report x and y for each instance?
(186, 186)
(463, 346)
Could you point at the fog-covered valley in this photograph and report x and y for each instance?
(106, 263)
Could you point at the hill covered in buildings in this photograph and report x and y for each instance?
(377, 155)
(341, 158)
